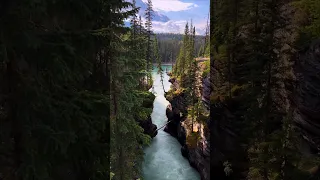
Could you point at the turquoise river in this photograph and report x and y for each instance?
(163, 159)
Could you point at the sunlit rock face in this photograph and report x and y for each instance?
(198, 155)
(162, 159)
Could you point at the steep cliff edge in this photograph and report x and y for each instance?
(196, 144)
(143, 115)
(227, 148)
(298, 89)
(307, 95)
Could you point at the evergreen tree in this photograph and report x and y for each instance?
(248, 72)
(158, 60)
(134, 20)
(183, 60)
(148, 24)
(201, 52)
(128, 98)
(58, 116)
(206, 39)
(55, 118)
(171, 59)
(177, 67)
(193, 90)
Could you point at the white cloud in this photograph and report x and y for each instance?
(176, 27)
(201, 27)
(130, 18)
(171, 5)
(169, 27)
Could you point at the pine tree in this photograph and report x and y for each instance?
(142, 46)
(206, 39)
(201, 52)
(63, 62)
(56, 124)
(183, 61)
(193, 89)
(171, 60)
(179, 61)
(148, 24)
(247, 70)
(128, 98)
(158, 60)
(134, 20)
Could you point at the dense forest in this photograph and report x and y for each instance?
(188, 114)
(74, 88)
(75, 100)
(258, 79)
(187, 75)
(170, 45)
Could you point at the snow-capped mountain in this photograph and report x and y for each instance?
(161, 23)
(160, 17)
(157, 16)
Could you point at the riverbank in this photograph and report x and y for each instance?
(162, 159)
(195, 142)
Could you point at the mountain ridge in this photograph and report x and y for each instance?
(157, 16)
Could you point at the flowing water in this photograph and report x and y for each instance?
(163, 159)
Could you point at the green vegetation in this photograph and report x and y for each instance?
(249, 71)
(158, 60)
(310, 12)
(148, 24)
(170, 44)
(188, 72)
(206, 70)
(72, 81)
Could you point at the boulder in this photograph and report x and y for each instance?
(148, 127)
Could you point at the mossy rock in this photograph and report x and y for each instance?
(206, 71)
(143, 113)
(192, 139)
(148, 99)
(174, 93)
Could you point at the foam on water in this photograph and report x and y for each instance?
(163, 159)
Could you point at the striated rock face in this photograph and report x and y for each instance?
(226, 144)
(175, 112)
(206, 90)
(174, 82)
(307, 94)
(199, 156)
(173, 116)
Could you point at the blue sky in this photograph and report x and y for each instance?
(195, 9)
(179, 12)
